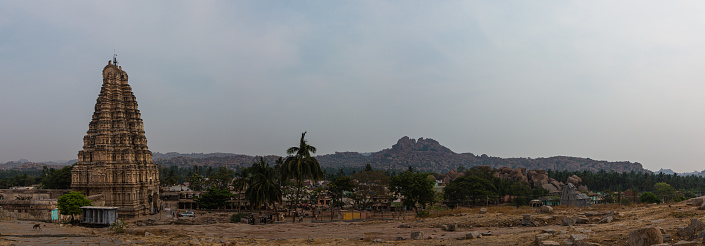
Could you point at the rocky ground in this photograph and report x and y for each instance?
(503, 225)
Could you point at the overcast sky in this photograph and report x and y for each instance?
(608, 80)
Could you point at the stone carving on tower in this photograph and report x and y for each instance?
(115, 160)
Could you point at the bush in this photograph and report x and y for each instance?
(648, 197)
(423, 214)
(118, 227)
(236, 218)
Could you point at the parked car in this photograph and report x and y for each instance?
(187, 214)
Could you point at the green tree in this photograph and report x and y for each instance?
(301, 165)
(214, 198)
(521, 193)
(263, 188)
(415, 188)
(196, 181)
(648, 197)
(57, 179)
(169, 177)
(664, 191)
(467, 188)
(222, 178)
(371, 184)
(242, 179)
(336, 191)
(71, 203)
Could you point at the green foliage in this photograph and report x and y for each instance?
(57, 179)
(337, 189)
(423, 214)
(169, 176)
(414, 187)
(118, 227)
(222, 178)
(300, 165)
(196, 181)
(263, 188)
(610, 180)
(70, 203)
(10, 178)
(648, 197)
(468, 188)
(521, 193)
(237, 217)
(665, 191)
(371, 185)
(214, 198)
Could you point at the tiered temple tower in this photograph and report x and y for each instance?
(115, 160)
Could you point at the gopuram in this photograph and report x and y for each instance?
(115, 160)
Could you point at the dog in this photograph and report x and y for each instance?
(37, 227)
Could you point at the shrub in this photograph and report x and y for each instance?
(235, 218)
(648, 197)
(423, 214)
(118, 227)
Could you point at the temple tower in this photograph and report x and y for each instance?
(115, 160)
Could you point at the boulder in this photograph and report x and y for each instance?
(549, 243)
(645, 236)
(449, 227)
(702, 206)
(541, 237)
(577, 237)
(698, 201)
(404, 226)
(473, 235)
(483, 210)
(606, 219)
(695, 227)
(417, 235)
(575, 180)
(487, 233)
(549, 231)
(526, 220)
(546, 209)
(568, 221)
(582, 219)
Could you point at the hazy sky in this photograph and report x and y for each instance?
(608, 80)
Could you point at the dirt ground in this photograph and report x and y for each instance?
(503, 222)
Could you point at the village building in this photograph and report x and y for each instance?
(115, 160)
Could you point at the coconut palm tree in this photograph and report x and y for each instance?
(300, 165)
(263, 188)
(242, 178)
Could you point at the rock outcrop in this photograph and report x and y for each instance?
(645, 237)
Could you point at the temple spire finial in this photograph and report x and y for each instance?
(115, 62)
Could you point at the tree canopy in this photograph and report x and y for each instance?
(301, 165)
(56, 179)
(414, 188)
(263, 188)
(70, 203)
(214, 198)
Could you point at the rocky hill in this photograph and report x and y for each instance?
(423, 154)
(428, 155)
